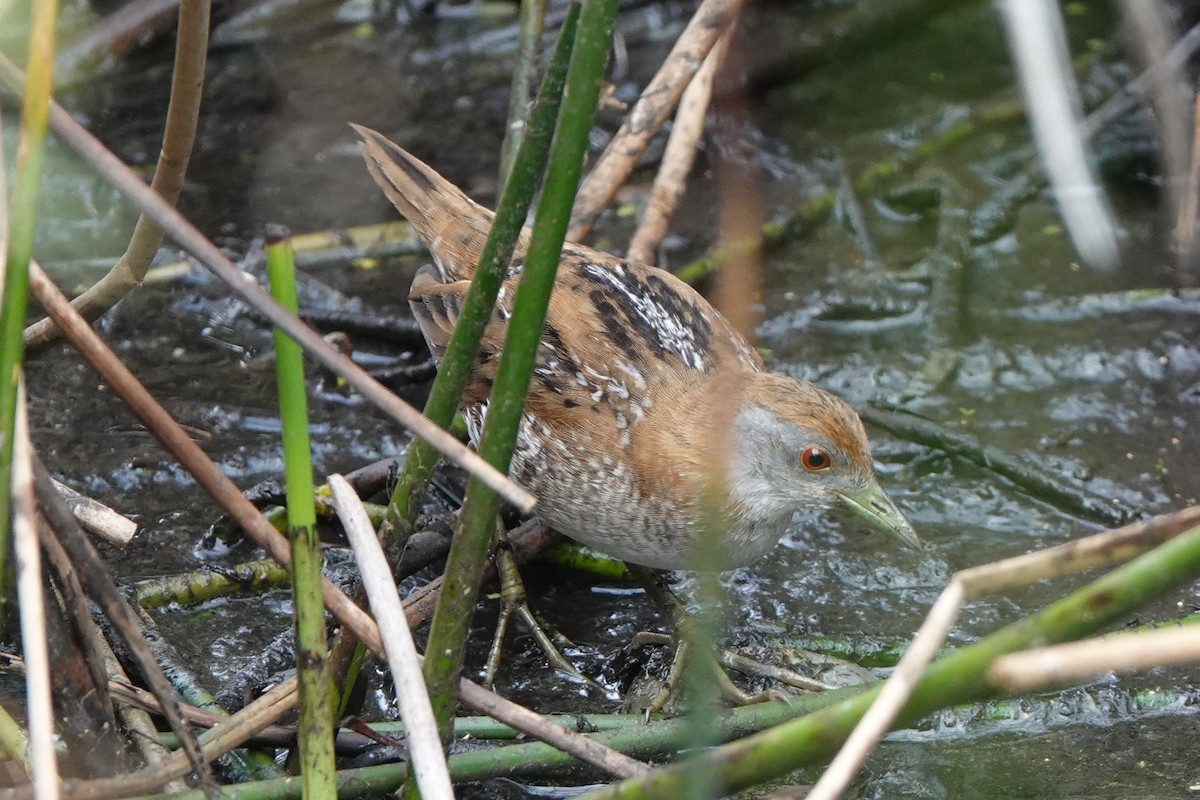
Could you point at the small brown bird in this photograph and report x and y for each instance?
(623, 422)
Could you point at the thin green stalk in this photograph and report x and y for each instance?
(701, 638)
(593, 563)
(451, 619)
(629, 734)
(750, 719)
(529, 37)
(316, 700)
(193, 588)
(21, 214)
(14, 743)
(955, 680)
(447, 389)
(236, 765)
(655, 738)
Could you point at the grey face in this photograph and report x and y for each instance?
(778, 466)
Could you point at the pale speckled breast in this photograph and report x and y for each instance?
(594, 499)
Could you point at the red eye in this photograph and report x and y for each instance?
(815, 459)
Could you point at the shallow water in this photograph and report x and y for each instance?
(1103, 398)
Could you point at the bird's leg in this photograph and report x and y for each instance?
(682, 625)
(674, 675)
(510, 597)
(513, 600)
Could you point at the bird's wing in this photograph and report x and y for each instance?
(570, 377)
(648, 316)
(436, 307)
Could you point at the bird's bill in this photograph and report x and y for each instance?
(873, 504)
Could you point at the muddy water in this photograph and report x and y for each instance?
(1102, 398)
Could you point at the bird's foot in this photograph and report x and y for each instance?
(713, 665)
(514, 602)
(685, 657)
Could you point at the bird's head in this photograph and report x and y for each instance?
(794, 446)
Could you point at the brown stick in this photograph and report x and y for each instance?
(278, 736)
(1185, 221)
(179, 133)
(101, 588)
(97, 518)
(677, 159)
(650, 112)
(128, 183)
(1010, 671)
(217, 741)
(243, 512)
(1121, 653)
(1110, 547)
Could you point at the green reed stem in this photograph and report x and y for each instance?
(192, 588)
(514, 203)
(447, 389)
(529, 37)
(14, 743)
(451, 619)
(629, 734)
(318, 772)
(955, 680)
(21, 215)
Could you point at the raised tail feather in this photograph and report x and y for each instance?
(453, 226)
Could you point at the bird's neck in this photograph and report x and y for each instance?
(758, 514)
(755, 516)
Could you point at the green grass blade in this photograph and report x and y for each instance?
(451, 620)
(21, 216)
(514, 203)
(318, 771)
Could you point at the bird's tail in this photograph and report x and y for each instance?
(452, 225)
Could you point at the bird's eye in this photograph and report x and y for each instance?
(815, 459)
